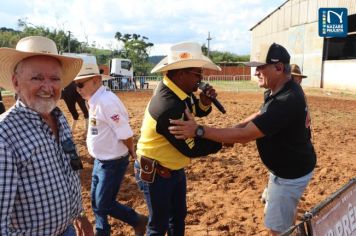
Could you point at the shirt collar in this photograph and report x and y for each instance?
(96, 95)
(172, 86)
(285, 87)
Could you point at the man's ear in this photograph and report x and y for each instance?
(279, 67)
(15, 81)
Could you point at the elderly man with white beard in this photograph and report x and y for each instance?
(40, 192)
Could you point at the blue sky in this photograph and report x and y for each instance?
(164, 22)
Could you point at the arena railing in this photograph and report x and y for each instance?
(233, 83)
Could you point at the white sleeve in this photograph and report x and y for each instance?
(117, 118)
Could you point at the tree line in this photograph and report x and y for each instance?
(135, 47)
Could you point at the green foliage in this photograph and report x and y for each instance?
(136, 49)
(219, 57)
(8, 38)
(103, 56)
(64, 40)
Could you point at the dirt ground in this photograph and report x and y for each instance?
(224, 189)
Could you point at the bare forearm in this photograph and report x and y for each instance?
(186, 129)
(129, 143)
(226, 135)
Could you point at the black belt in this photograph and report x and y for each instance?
(116, 158)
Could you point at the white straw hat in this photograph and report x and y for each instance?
(89, 69)
(35, 46)
(184, 55)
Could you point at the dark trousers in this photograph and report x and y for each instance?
(2, 108)
(70, 102)
(166, 202)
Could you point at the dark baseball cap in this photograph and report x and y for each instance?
(270, 55)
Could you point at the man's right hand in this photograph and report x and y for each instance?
(183, 129)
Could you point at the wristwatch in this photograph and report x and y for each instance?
(200, 131)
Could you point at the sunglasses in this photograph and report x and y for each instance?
(69, 148)
(81, 84)
(196, 73)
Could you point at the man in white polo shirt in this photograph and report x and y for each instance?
(110, 142)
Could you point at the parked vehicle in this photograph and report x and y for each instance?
(121, 67)
(122, 72)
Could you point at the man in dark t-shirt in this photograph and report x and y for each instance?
(282, 132)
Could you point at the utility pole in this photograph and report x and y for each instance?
(69, 41)
(209, 38)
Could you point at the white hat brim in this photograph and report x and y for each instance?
(163, 65)
(103, 77)
(10, 57)
(82, 77)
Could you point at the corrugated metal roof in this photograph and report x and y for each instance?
(296, 12)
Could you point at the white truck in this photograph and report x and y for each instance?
(121, 67)
(122, 72)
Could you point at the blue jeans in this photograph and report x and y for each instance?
(166, 202)
(283, 196)
(106, 181)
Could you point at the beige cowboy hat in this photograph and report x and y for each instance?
(89, 70)
(35, 46)
(184, 55)
(295, 70)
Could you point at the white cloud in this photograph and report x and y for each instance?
(164, 22)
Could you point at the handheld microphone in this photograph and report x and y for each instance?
(203, 86)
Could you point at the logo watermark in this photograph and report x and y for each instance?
(333, 22)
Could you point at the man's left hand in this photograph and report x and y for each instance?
(83, 227)
(209, 92)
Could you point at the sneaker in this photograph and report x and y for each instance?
(140, 228)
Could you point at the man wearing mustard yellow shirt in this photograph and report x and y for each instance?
(161, 157)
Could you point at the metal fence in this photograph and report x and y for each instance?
(233, 83)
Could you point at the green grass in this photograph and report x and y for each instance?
(236, 86)
(223, 85)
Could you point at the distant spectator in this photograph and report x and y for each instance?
(143, 82)
(297, 76)
(71, 97)
(134, 81)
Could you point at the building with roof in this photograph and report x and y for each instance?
(328, 62)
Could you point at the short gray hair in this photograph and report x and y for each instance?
(287, 69)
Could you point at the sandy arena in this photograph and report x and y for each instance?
(224, 189)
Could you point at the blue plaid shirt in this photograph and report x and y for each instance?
(40, 194)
